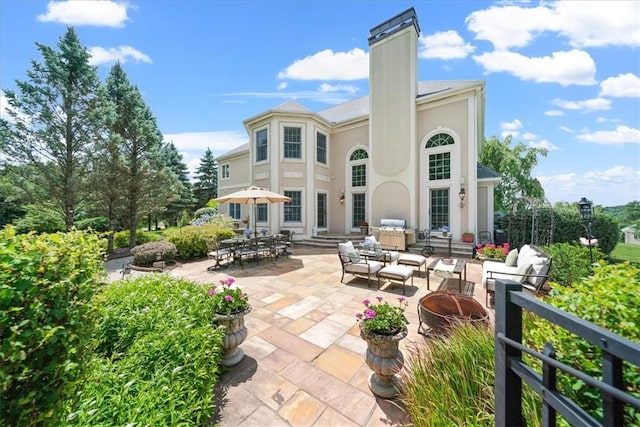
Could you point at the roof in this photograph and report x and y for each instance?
(427, 90)
(486, 173)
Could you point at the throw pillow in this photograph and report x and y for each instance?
(521, 273)
(512, 258)
(354, 256)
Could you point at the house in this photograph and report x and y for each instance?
(408, 150)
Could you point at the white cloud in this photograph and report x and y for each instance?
(528, 136)
(329, 65)
(219, 141)
(283, 85)
(598, 24)
(87, 12)
(509, 26)
(325, 87)
(544, 144)
(444, 45)
(586, 106)
(554, 113)
(100, 55)
(624, 85)
(615, 186)
(621, 135)
(601, 23)
(515, 124)
(317, 96)
(567, 129)
(4, 104)
(574, 67)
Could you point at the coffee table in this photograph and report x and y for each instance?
(458, 267)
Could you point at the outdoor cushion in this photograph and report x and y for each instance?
(363, 267)
(354, 256)
(512, 258)
(521, 274)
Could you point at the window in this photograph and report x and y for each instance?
(439, 208)
(225, 171)
(358, 209)
(234, 210)
(262, 212)
(439, 166)
(292, 143)
(293, 209)
(261, 145)
(321, 215)
(359, 168)
(440, 159)
(321, 148)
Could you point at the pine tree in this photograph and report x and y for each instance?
(51, 127)
(184, 200)
(206, 185)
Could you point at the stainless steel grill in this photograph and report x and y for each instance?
(393, 234)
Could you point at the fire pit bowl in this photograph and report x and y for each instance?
(440, 309)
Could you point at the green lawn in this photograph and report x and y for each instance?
(626, 252)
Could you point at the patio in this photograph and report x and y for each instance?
(304, 358)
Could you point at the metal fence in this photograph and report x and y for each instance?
(511, 370)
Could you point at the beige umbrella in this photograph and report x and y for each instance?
(253, 195)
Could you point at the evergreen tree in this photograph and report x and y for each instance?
(206, 185)
(146, 183)
(51, 127)
(183, 199)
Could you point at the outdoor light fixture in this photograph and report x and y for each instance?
(462, 194)
(342, 199)
(585, 207)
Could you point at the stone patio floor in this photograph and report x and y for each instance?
(304, 358)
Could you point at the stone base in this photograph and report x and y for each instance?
(384, 386)
(233, 358)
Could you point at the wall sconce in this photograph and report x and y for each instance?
(342, 199)
(462, 194)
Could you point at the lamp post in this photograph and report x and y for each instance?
(585, 207)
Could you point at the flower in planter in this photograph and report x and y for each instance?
(363, 224)
(492, 251)
(264, 231)
(247, 233)
(228, 299)
(444, 228)
(383, 317)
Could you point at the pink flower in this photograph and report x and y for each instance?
(366, 303)
(228, 298)
(402, 299)
(359, 315)
(369, 314)
(212, 291)
(379, 299)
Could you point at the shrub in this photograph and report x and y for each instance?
(609, 298)
(157, 356)
(205, 211)
(570, 262)
(184, 219)
(194, 242)
(99, 223)
(41, 219)
(121, 238)
(47, 283)
(148, 253)
(450, 381)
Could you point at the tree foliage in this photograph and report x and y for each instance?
(515, 164)
(51, 126)
(183, 199)
(206, 185)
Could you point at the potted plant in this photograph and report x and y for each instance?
(467, 237)
(382, 326)
(444, 230)
(492, 251)
(364, 227)
(230, 306)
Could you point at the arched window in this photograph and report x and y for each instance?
(439, 156)
(358, 164)
(359, 154)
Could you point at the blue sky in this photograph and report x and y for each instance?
(561, 75)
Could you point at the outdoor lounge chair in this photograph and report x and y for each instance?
(353, 264)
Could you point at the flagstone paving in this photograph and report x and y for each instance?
(304, 358)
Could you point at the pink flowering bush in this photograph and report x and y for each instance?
(228, 300)
(383, 317)
(492, 251)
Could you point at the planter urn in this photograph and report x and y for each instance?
(235, 332)
(467, 237)
(385, 360)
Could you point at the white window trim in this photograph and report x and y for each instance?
(303, 130)
(302, 206)
(255, 144)
(326, 135)
(227, 166)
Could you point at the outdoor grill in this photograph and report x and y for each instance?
(393, 234)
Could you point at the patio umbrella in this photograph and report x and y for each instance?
(253, 195)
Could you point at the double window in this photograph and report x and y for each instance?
(292, 143)
(440, 156)
(262, 146)
(293, 209)
(262, 212)
(225, 171)
(321, 148)
(234, 210)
